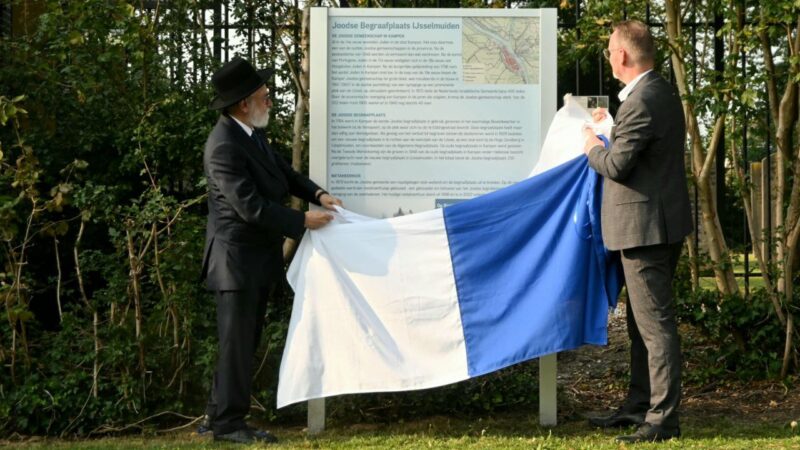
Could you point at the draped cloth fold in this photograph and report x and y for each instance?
(437, 297)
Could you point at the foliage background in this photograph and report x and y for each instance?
(107, 327)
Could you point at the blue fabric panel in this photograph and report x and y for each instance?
(531, 271)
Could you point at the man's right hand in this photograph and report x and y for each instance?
(317, 219)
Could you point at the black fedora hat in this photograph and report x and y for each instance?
(234, 81)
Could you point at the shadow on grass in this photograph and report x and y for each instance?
(526, 426)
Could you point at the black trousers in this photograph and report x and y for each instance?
(240, 320)
(655, 385)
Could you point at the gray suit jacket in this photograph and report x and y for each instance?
(247, 219)
(645, 197)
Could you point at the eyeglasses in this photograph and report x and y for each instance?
(607, 52)
(265, 98)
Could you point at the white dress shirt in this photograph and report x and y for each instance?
(626, 91)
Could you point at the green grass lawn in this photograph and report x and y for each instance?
(508, 431)
(755, 281)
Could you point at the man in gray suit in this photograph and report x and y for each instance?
(645, 215)
(247, 220)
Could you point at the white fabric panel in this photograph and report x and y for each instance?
(407, 336)
(562, 143)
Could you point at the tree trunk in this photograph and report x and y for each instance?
(702, 161)
(786, 221)
(300, 112)
(85, 298)
(745, 193)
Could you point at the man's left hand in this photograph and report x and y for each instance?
(599, 115)
(328, 201)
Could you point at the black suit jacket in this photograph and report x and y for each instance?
(645, 197)
(247, 219)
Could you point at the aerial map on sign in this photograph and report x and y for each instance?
(500, 50)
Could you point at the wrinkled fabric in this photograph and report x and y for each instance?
(437, 297)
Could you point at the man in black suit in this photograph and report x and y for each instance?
(645, 215)
(247, 220)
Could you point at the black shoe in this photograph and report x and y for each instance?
(651, 433)
(247, 436)
(620, 418)
(264, 436)
(244, 436)
(261, 435)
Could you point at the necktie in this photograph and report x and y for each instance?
(263, 146)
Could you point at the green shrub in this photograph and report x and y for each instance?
(739, 336)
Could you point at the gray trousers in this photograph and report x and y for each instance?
(655, 385)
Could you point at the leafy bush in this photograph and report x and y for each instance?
(103, 226)
(738, 336)
(513, 387)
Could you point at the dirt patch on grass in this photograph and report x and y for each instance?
(594, 380)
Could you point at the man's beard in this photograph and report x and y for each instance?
(259, 121)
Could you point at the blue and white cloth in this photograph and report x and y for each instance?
(433, 298)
